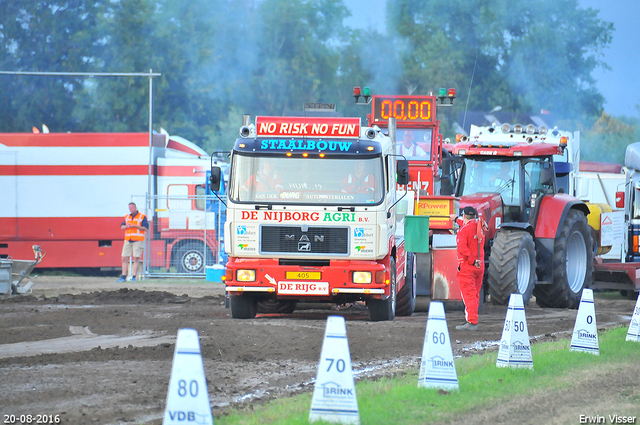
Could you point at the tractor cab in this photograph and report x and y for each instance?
(505, 171)
(516, 183)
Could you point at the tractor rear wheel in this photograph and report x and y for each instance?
(572, 265)
(512, 266)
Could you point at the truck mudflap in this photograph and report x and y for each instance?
(319, 283)
(620, 276)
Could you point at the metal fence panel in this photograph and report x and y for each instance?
(183, 236)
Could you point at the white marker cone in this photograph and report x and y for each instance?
(437, 369)
(334, 394)
(515, 348)
(585, 332)
(188, 397)
(633, 334)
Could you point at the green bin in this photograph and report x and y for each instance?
(416, 233)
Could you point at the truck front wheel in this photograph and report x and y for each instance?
(572, 265)
(407, 295)
(512, 266)
(243, 307)
(381, 310)
(277, 307)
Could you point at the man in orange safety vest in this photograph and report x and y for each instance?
(134, 225)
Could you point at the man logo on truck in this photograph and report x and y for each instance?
(304, 246)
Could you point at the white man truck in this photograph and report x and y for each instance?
(311, 217)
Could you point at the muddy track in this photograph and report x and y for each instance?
(97, 353)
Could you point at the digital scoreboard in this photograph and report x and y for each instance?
(407, 110)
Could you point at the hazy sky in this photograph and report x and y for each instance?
(620, 86)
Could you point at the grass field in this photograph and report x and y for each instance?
(400, 401)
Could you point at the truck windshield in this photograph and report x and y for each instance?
(281, 180)
(492, 176)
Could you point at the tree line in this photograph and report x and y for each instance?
(222, 58)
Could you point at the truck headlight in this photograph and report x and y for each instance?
(361, 277)
(243, 275)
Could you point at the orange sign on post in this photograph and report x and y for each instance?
(438, 209)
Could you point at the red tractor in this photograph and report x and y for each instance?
(539, 242)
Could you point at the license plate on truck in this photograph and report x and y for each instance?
(304, 275)
(303, 288)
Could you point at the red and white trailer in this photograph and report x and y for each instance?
(68, 193)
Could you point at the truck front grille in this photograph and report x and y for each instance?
(315, 240)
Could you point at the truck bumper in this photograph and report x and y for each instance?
(621, 276)
(328, 283)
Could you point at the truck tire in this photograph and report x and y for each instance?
(406, 303)
(243, 307)
(276, 306)
(423, 273)
(629, 294)
(191, 259)
(512, 266)
(381, 310)
(572, 265)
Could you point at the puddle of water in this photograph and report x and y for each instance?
(66, 306)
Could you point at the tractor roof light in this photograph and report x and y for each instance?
(563, 142)
(505, 128)
(366, 93)
(530, 129)
(543, 129)
(518, 128)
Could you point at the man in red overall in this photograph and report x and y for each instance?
(470, 264)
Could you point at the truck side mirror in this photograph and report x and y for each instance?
(446, 186)
(620, 200)
(546, 175)
(402, 167)
(214, 180)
